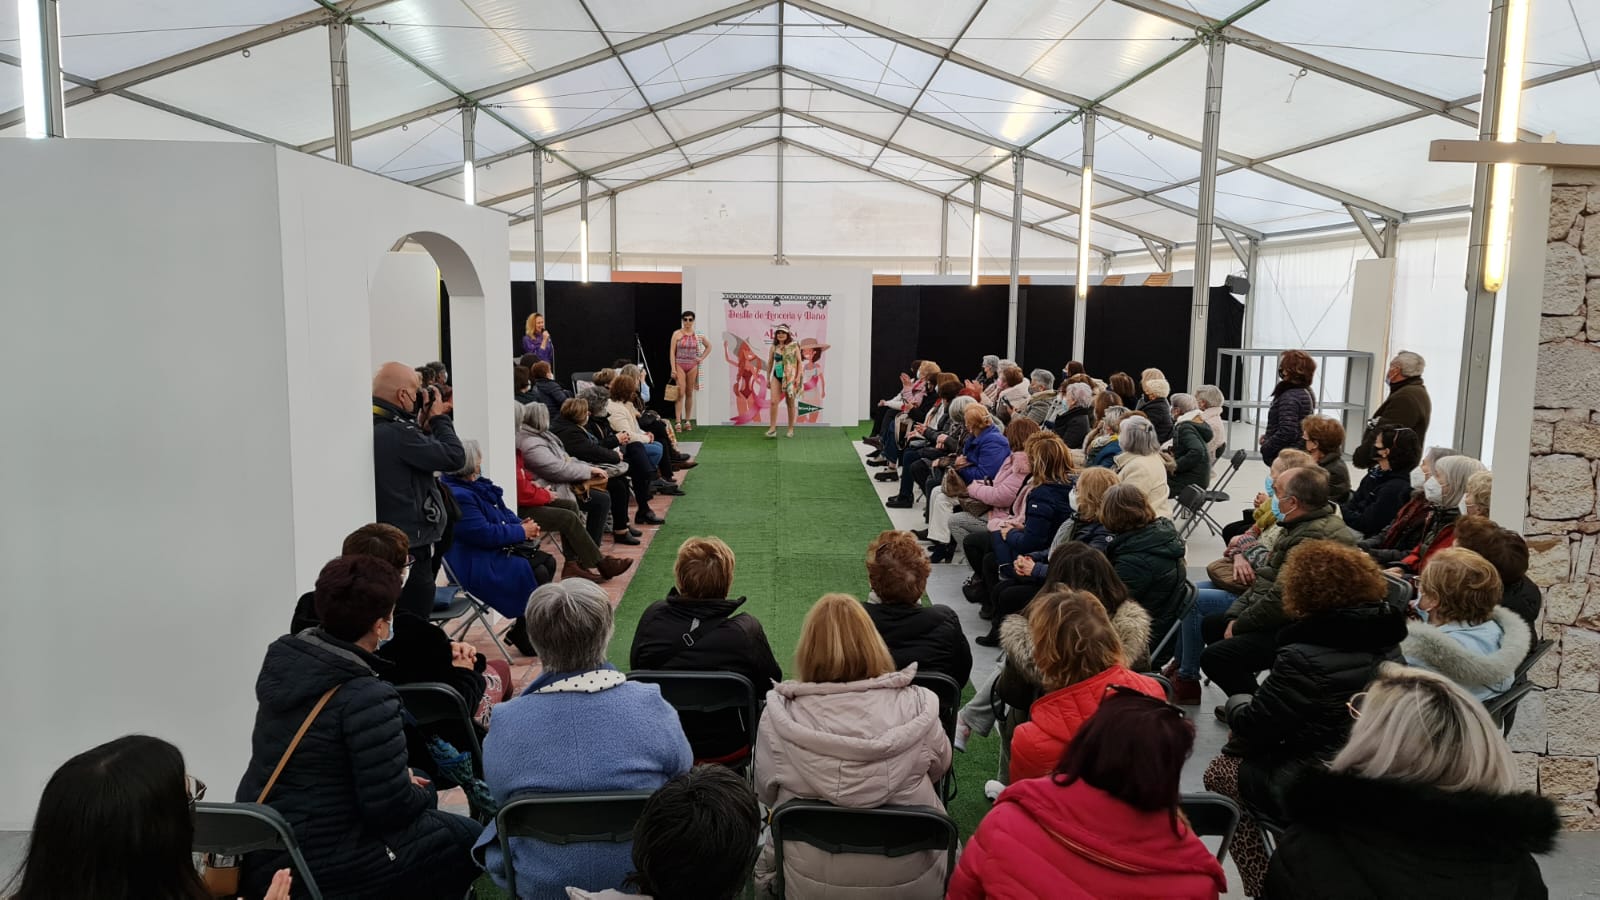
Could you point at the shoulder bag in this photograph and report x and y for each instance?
(221, 874)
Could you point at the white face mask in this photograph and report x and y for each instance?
(1432, 491)
(1417, 477)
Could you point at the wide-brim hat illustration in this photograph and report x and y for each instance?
(811, 344)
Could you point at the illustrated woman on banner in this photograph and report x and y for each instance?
(689, 350)
(813, 387)
(749, 384)
(783, 376)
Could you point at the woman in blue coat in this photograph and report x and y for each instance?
(480, 556)
(1049, 503)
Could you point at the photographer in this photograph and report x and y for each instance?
(412, 438)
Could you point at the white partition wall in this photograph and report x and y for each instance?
(406, 290)
(189, 327)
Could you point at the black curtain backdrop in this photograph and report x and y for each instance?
(1046, 339)
(595, 324)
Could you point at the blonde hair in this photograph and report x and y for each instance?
(1092, 487)
(527, 325)
(1466, 585)
(928, 368)
(839, 643)
(1072, 637)
(1157, 387)
(976, 418)
(704, 569)
(1421, 727)
(1048, 458)
(1148, 374)
(1292, 459)
(1479, 487)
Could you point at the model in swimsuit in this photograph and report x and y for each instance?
(689, 349)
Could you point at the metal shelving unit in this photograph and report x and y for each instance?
(1238, 369)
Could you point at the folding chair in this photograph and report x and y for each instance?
(1217, 494)
(234, 829)
(581, 380)
(462, 601)
(1190, 511)
(436, 703)
(1190, 595)
(949, 693)
(709, 692)
(1502, 709)
(601, 817)
(1211, 815)
(1534, 655)
(1162, 680)
(890, 831)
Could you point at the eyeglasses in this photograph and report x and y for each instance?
(405, 570)
(1354, 704)
(195, 788)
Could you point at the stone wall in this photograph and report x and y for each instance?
(1557, 731)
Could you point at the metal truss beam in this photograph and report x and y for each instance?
(1162, 255)
(1237, 246)
(1061, 96)
(599, 56)
(629, 116)
(121, 81)
(921, 92)
(659, 176)
(628, 73)
(1368, 230)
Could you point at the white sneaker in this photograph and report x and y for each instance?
(963, 731)
(992, 789)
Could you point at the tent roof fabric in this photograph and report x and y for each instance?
(1325, 105)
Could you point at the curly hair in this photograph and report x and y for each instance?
(897, 568)
(1320, 576)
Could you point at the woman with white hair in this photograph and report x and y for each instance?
(1191, 460)
(547, 462)
(1210, 400)
(1140, 463)
(1073, 422)
(1444, 490)
(1154, 404)
(1422, 751)
(580, 726)
(1105, 445)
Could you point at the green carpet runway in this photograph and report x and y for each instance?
(798, 514)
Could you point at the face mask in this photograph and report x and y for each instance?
(1432, 491)
(1421, 613)
(385, 640)
(1269, 488)
(1417, 478)
(1277, 511)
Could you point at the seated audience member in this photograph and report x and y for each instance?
(1121, 384)
(481, 553)
(571, 428)
(1014, 392)
(988, 374)
(1042, 394)
(695, 840)
(1339, 629)
(580, 726)
(641, 471)
(651, 421)
(1323, 438)
(1145, 377)
(1410, 522)
(1046, 507)
(1507, 551)
(546, 389)
(547, 461)
(1243, 640)
(1480, 485)
(624, 420)
(1105, 823)
(1420, 751)
(1074, 422)
(925, 467)
(1445, 492)
(1079, 657)
(420, 651)
(885, 437)
(1086, 527)
(923, 441)
(1140, 463)
(1292, 401)
(367, 826)
(1148, 556)
(981, 456)
(948, 524)
(522, 383)
(851, 731)
(1465, 634)
(1209, 397)
(1104, 447)
(1154, 404)
(1191, 446)
(117, 821)
(929, 636)
(698, 628)
(1387, 485)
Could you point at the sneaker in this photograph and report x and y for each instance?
(963, 731)
(992, 789)
(1186, 691)
(612, 566)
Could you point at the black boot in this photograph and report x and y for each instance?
(517, 634)
(943, 553)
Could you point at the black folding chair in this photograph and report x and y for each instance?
(1211, 815)
(581, 380)
(1218, 493)
(1190, 511)
(436, 703)
(464, 602)
(1502, 709)
(890, 831)
(1189, 596)
(709, 692)
(234, 829)
(949, 693)
(601, 817)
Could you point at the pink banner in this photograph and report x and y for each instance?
(747, 350)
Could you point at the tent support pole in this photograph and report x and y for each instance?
(538, 231)
(339, 72)
(1016, 253)
(1206, 207)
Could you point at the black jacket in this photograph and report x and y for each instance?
(1073, 426)
(550, 392)
(717, 641)
(580, 444)
(1371, 837)
(1191, 458)
(1377, 501)
(1338, 477)
(1524, 598)
(929, 636)
(1407, 406)
(366, 830)
(1289, 405)
(1299, 713)
(1150, 561)
(405, 459)
(1160, 412)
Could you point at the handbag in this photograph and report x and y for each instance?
(670, 392)
(1220, 571)
(221, 874)
(597, 483)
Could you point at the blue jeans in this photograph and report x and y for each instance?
(653, 450)
(886, 431)
(1211, 601)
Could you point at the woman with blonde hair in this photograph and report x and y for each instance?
(1086, 526)
(1038, 514)
(853, 732)
(1422, 750)
(1465, 634)
(536, 340)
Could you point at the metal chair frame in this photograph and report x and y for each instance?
(598, 817)
(837, 829)
(479, 613)
(949, 694)
(1212, 815)
(234, 829)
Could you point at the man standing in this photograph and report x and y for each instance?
(412, 439)
(1244, 640)
(1408, 406)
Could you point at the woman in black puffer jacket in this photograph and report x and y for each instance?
(1341, 629)
(368, 829)
(1292, 401)
(1387, 485)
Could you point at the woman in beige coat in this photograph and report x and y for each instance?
(1140, 463)
(853, 732)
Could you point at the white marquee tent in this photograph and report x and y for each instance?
(864, 129)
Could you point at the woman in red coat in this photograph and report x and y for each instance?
(1079, 657)
(1105, 824)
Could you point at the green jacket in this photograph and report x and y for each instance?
(1261, 607)
(1408, 406)
(1150, 562)
(1190, 456)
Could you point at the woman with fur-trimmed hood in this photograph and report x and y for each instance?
(1465, 634)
